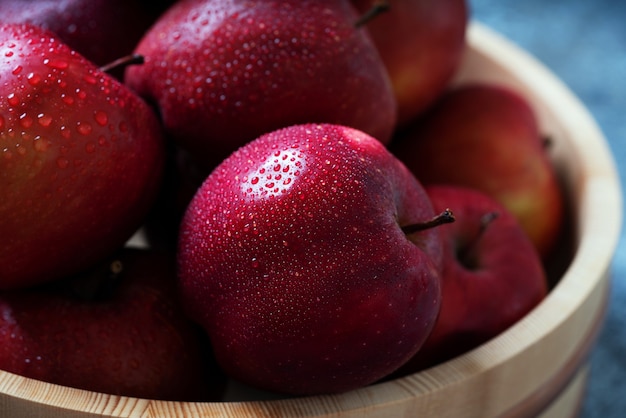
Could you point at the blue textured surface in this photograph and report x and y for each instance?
(584, 43)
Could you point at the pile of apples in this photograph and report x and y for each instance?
(323, 208)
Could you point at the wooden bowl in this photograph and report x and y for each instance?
(538, 366)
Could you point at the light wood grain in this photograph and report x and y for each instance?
(506, 375)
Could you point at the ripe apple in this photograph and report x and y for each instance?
(120, 331)
(300, 257)
(492, 275)
(80, 159)
(421, 43)
(100, 30)
(223, 72)
(486, 136)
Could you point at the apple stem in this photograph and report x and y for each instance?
(444, 217)
(467, 250)
(377, 8)
(131, 59)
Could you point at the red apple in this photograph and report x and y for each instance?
(492, 275)
(298, 257)
(80, 159)
(223, 72)
(421, 43)
(120, 331)
(487, 137)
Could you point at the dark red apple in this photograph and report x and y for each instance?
(120, 331)
(223, 72)
(80, 159)
(487, 137)
(492, 275)
(299, 257)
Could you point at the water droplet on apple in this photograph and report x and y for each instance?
(65, 132)
(40, 144)
(84, 128)
(62, 162)
(44, 120)
(1, 122)
(13, 99)
(90, 79)
(17, 70)
(33, 79)
(90, 147)
(26, 121)
(101, 118)
(254, 180)
(57, 64)
(123, 127)
(69, 100)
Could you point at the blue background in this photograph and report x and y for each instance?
(584, 43)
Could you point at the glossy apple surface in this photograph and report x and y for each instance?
(80, 159)
(120, 331)
(492, 275)
(224, 72)
(487, 137)
(421, 43)
(292, 256)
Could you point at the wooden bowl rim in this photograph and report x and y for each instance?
(598, 218)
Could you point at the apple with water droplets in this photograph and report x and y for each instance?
(80, 159)
(312, 259)
(223, 72)
(492, 275)
(117, 329)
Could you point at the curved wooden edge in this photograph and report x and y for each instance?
(568, 404)
(596, 194)
(549, 391)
